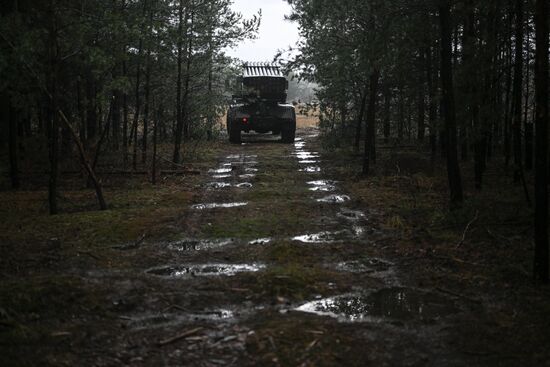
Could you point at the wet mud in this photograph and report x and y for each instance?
(203, 270)
(396, 304)
(272, 263)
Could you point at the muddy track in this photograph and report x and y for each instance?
(275, 265)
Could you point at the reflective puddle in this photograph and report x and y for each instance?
(244, 185)
(242, 156)
(322, 185)
(220, 176)
(363, 266)
(354, 233)
(217, 185)
(306, 155)
(217, 205)
(334, 199)
(351, 215)
(220, 170)
(400, 304)
(191, 244)
(311, 169)
(321, 237)
(260, 241)
(204, 270)
(247, 176)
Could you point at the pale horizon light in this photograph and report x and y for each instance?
(275, 32)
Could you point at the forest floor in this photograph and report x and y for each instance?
(274, 255)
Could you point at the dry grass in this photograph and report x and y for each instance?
(302, 121)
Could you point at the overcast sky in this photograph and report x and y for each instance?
(275, 32)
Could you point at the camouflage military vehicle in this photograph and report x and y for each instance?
(261, 105)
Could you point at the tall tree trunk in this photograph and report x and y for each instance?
(453, 169)
(134, 131)
(401, 120)
(421, 100)
(155, 138)
(179, 120)
(148, 67)
(146, 108)
(187, 84)
(432, 108)
(117, 99)
(124, 121)
(137, 107)
(528, 124)
(517, 92)
(91, 109)
(53, 127)
(80, 108)
(387, 113)
(370, 121)
(541, 157)
(508, 100)
(359, 122)
(10, 117)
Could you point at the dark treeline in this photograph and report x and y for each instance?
(465, 79)
(83, 79)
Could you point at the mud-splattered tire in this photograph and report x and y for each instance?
(288, 135)
(234, 135)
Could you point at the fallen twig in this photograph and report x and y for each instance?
(175, 307)
(95, 257)
(467, 228)
(180, 172)
(131, 246)
(442, 290)
(183, 335)
(497, 236)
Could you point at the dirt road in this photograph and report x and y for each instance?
(273, 264)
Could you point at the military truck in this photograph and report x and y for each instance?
(261, 104)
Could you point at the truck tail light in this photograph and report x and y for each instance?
(245, 120)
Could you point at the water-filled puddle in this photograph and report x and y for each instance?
(247, 176)
(364, 266)
(399, 304)
(217, 205)
(241, 157)
(334, 199)
(217, 177)
(322, 185)
(305, 155)
(220, 170)
(244, 185)
(311, 169)
(321, 237)
(191, 244)
(260, 241)
(251, 169)
(204, 270)
(351, 215)
(241, 165)
(217, 185)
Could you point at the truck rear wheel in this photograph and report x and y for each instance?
(288, 134)
(234, 134)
